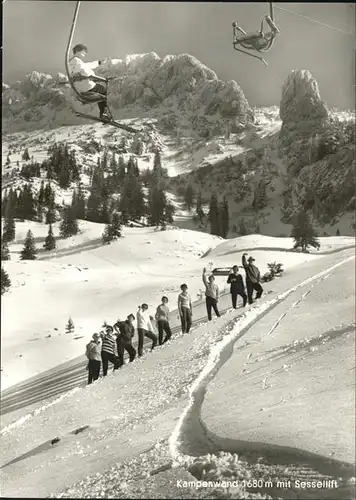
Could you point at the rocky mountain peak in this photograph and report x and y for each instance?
(301, 100)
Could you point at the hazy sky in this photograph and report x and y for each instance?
(36, 33)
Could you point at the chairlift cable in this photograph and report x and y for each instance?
(315, 21)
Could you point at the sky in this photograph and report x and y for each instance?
(35, 36)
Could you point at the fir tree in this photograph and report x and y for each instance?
(224, 219)
(9, 230)
(132, 202)
(214, 215)
(29, 207)
(5, 252)
(303, 233)
(50, 241)
(112, 230)
(29, 250)
(69, 224)
(41, 195)
(80, 203)
(26, 155)
(70, 326)
(159, 210)
(157, 167)
(199, 209)
(64, 176)
(5, 281)
(189, 197)
(51, 215)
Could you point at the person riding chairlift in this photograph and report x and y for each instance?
(85, 79)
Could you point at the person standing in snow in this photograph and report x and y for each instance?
(144, 328)
(93, 353)
(108, 350)
(237, 286)
(84, 78)
(211, 294)
(253, 277)
(125, 332)
(185, 308)
(162, 318)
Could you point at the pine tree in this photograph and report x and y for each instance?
(112, 230)
(93, 207)
(189, 197)
(69, 224)
(29, 250)
(70, 326)
(26, 155)
(64, 176)
(224, 218)
(214, 216)
(51, 215)
(157, 167)
(28, 203)
(199, 209)
(9, 230)
(97, 195)
(5, 281)
(5, 252)
(80, 203)
(41, 195)
(132, 202)
(303, 233)
(50, 241)
(121, 170)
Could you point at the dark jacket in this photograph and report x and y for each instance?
(236, 283)
(127, 331)
(252, 272)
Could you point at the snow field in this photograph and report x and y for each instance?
(170, 372)
(141, 267)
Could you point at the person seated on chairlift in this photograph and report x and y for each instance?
(85, 79)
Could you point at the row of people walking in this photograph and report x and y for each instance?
(110, 346)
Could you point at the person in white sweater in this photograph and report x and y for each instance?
(144, 328)
(211, 294)
(84, 78)
(185, 308)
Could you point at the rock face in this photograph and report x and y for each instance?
(176, 90)
(301, 99)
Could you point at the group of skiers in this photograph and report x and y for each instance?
(111, 344)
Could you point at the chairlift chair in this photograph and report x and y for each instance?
(257, 41)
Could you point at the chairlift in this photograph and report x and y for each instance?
(259, 41)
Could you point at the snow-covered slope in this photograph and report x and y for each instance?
(140, 267)
(264, 366)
